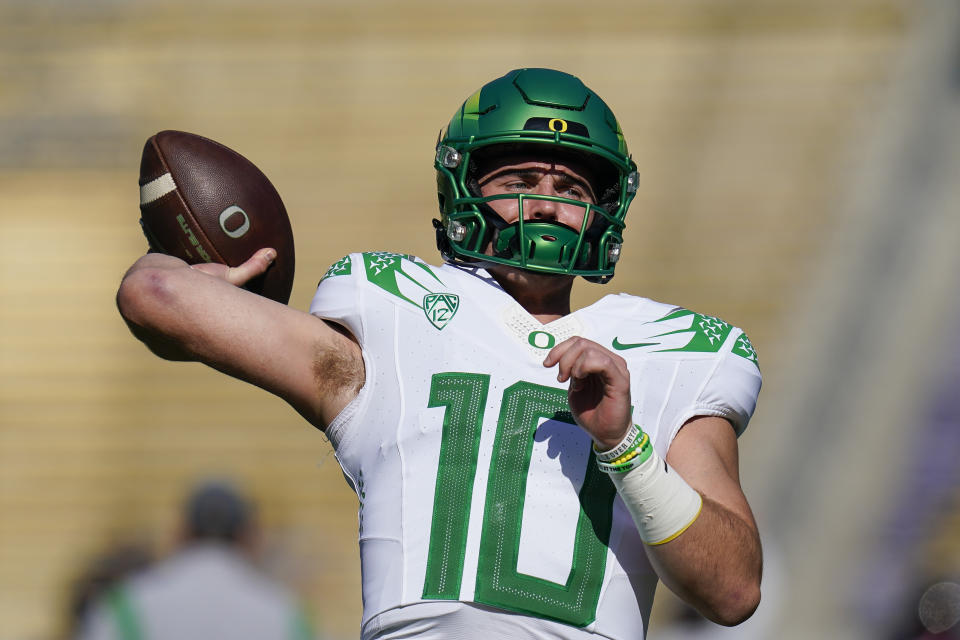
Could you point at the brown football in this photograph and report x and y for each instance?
(203, 202)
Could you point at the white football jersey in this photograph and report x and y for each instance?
(476, 487)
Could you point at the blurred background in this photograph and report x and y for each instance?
(798, 163)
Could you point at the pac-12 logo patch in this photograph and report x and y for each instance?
(440, 308)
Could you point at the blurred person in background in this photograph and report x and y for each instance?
(104, 572)
(208, 589)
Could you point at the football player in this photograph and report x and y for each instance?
(524, 470)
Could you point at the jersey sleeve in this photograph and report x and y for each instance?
(362, 290)
(338, 295)
(697, 379)
(731, 391)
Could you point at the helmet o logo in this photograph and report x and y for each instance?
(237, 232)
(557, 125)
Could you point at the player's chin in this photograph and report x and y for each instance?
(547, 286)
(515, 273)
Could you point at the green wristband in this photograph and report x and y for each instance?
(637, 454)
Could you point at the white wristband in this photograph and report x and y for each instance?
(662, 504)
(631, 436)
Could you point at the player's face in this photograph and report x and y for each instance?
(535, 175)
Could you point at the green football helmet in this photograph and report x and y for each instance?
(535, 110)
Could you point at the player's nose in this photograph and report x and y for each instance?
(542, 210)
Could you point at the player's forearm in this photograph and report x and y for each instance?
(714, 565)
(706, 551)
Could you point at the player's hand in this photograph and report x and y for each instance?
(239, 275)
(599, 394)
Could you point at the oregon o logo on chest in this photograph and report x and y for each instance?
(557, 125)
(232, 212)
(541, 340)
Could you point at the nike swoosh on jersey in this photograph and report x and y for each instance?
(620, 346)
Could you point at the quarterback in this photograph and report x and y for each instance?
(524, 470)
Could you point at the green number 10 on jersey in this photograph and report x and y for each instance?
(499, 583)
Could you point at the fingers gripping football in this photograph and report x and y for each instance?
(599, 392)
(244, 272)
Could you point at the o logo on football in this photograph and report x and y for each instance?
(557, 125)
(226, 214)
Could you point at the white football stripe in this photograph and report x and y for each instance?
(156, 189)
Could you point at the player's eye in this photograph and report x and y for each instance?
(574, 191)
(518, 185)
